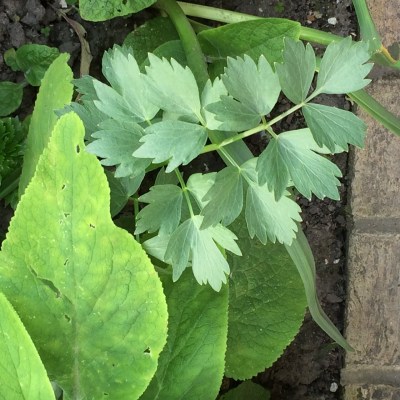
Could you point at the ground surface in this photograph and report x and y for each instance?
(310, 368)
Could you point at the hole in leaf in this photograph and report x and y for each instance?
(67, 317)
(113, 365)
(124, 2)
(78, 149)
(47, 283)
(66, 215)
(63, 187)
(92, 226)
(147, 351)
(66, 262)
(105, 394)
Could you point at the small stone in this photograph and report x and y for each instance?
(332, 21)
(334, 387)
(336, 261)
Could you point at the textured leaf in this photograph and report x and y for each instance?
(266, 305)
(115, 143)
(122, 71)
(297, 71)
(255, 38)
(22, 373)
(147, 37)
(101, 10)
(83, 288)
(173, 87)
(343, 67)
(191, 365)
(247, 390)
(55, 92)
(34, 60)
(190, 243)
(332, 127)
(224, 199)
(212, 93)
(293, 154)
(177, 141)
(10, 97)
(233, 115)
(255, 85)
(266, 217)
(163, 211)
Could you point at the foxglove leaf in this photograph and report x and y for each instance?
(224, 199)
(292, 154)
(297, 71)
(175, 141)
(163, 211)
(266, 217)
(333, 127)
(343, 68)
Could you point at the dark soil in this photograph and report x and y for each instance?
(310, 367)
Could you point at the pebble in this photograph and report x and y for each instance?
(332, 21)
(334, 387)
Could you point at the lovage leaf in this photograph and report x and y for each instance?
(254, 85)
(266, 217)
(190, 243)
(55, 92)
(266, 305)
(292, 154)
(343, 67)
(224, 199)
(254, 38)
(101, 10)
(85, 290)
(176, 141)
(333, 127)
(115, 144)
(163, 211)
(199, 184)
(173, 87)
(22, 373)
(191, 365)
(297, 71)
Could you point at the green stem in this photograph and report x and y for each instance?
(194, 55)
(185, 191)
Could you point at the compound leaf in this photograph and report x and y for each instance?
(85, 290)
(173, 88)
(190, 243)
(178, 142)
(343, 68)
(266, 217)
(101, 10)
(191, 365)
(22, 373)
(163, 211)
(256, 86)
(333, 127)
(199, 184)
(293, 155)
(266, 305)
(224, 199)
(115, 144)
(297, 71)
(122, 71)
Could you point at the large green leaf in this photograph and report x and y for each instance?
(85, 290)
(343, 67)
(54, 93)
(255, 38)
(266, 305)
(10, 97)
(297, 71)
(149, 36)
(191, 365)
(101, 10)
(22, 374)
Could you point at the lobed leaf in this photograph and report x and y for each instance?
(297, 71)
(224, 199)
(292, 154)
(343, 67)
(266, 217)
(115, 144)
(333, 127)
(22, 373)
(191, 366)
(177, 142)
(84, 289)
(199, 184)
(163, 211)
(266, 305)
